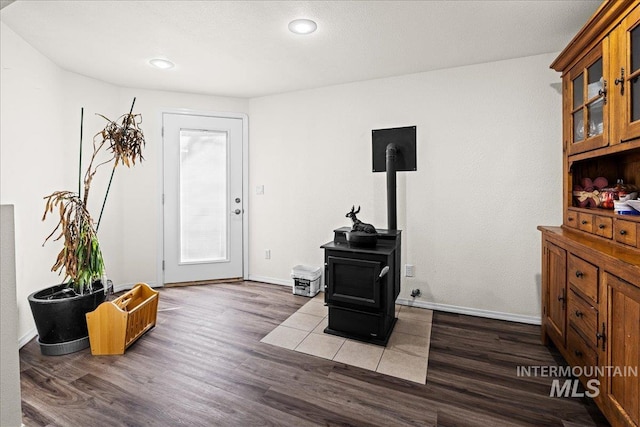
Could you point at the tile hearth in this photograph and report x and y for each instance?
(405, 356)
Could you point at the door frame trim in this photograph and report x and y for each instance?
(245, 185)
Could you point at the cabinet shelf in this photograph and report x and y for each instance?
(628, 146)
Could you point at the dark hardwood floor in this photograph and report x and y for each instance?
(203, 365)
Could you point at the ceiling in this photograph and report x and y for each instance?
(244, 49)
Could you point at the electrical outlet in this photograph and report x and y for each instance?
(267, 254)
(409, 270)
(260, 189)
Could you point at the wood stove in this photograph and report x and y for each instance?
(362, 285)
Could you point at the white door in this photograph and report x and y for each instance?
(202, 193)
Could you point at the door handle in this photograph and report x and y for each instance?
(620, 81)
(383, 272)
(237, 211)
(603, 92)
(601, 336)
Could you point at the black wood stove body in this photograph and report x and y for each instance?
(362, 285)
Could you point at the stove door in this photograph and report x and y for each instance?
(354, 281)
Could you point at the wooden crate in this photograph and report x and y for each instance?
(117, 324)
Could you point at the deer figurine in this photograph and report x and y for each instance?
(359, 225)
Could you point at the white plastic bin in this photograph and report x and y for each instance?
(306, 280)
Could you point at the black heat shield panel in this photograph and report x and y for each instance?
(405, 140)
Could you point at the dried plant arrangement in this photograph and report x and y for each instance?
(80, 257)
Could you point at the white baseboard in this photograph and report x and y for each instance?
(497, 315)
(519, 318)
(31, 334)
(271, 280)
(128, 286)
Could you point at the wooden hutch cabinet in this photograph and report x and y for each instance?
(591, 264)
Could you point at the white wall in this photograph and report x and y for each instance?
(39, 140)
(489, 168)
(489, 172)
(32, 158)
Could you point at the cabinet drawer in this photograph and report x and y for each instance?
(585, 222)
(583, 276)
(583, 316)
(572, 219)
(626, 232)
(603, 226)
(580, 353)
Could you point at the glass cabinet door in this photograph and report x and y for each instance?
(626, 75)
(587, 93)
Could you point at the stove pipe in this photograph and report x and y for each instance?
(391, 152)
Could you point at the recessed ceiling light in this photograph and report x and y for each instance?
(302, 26)
(163, 64)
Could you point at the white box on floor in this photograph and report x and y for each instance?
(306, 280)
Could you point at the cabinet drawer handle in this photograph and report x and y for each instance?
(584, 221)
(601, 226)
(623, 232)
(570, 219)
(579, 313)
(579, 274)
(561, 298)
(577, 353)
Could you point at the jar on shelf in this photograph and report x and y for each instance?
(607, 197)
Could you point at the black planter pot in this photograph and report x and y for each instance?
(61, 322)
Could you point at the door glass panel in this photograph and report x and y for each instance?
(594, 111)
(595, 79)
(635, 65)
(203, 196)
(578, 126)
(578, 87)
(635, 99)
